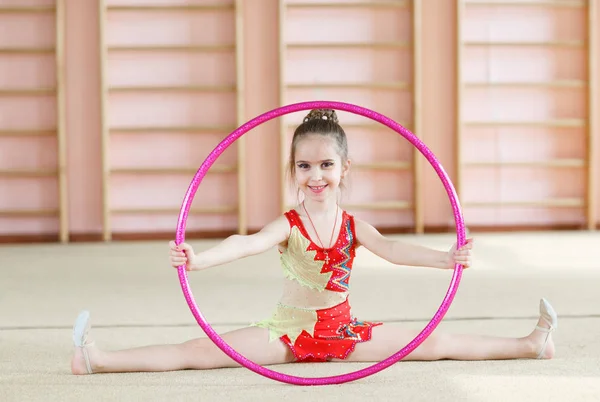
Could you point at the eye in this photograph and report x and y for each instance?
(303, 166)
(327, 164)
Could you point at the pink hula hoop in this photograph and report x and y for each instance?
(439, 315)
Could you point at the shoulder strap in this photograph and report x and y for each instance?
(352, 227)
(293, 218)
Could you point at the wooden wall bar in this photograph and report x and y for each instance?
(307, 84)
(21, 206)
(481, 41)
(512, 114)
(182, 94)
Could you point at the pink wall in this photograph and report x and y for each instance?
(83, 117)
(262, 76)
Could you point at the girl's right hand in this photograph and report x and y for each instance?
(182, 254)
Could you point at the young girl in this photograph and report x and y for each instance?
(312, 321)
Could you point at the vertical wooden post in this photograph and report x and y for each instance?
(458, 99)
(592, 69)
(61, 121)
(417, 95)
(107, 232)
(282, 100)
(241, 116)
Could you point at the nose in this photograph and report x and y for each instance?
(317, 176)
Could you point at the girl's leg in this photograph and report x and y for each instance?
(388, 340)
(202, 353)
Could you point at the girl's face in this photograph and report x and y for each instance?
(319, 167)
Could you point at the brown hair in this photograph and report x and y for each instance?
(322, 122)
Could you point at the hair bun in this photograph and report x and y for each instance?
(322, 114)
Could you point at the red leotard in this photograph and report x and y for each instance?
(313, 316)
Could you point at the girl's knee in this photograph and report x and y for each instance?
(204, 354)
(196, 352)
(193, 346)
(432, 348)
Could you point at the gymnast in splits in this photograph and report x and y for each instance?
(313, 322)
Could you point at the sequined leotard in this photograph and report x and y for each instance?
(313, 315)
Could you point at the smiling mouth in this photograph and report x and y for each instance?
(317, 189)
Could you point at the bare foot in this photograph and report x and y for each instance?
(537, 339)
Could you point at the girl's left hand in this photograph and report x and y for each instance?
(461, 256)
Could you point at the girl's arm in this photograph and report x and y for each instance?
(235, 247)
(401, 253)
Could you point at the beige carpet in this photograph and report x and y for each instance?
(135, 300)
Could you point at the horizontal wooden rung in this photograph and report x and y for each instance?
(547, 163)
(27, 91)
(166, 7)
(16, 173)
(175, 129)
(380, 206)
(174, 170)
(171, 48)
(28, 133)
(363, 126)
(351, 4)
(26, 50)
(342, 45)
(543, 123)
(351, 85)
(26, 9)
(25, 213)
(175, 88)
(560, 202)
(394, 165)
(215, 210)
(527, 84)
(540, 3)
(373, 126)
(556, 43)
